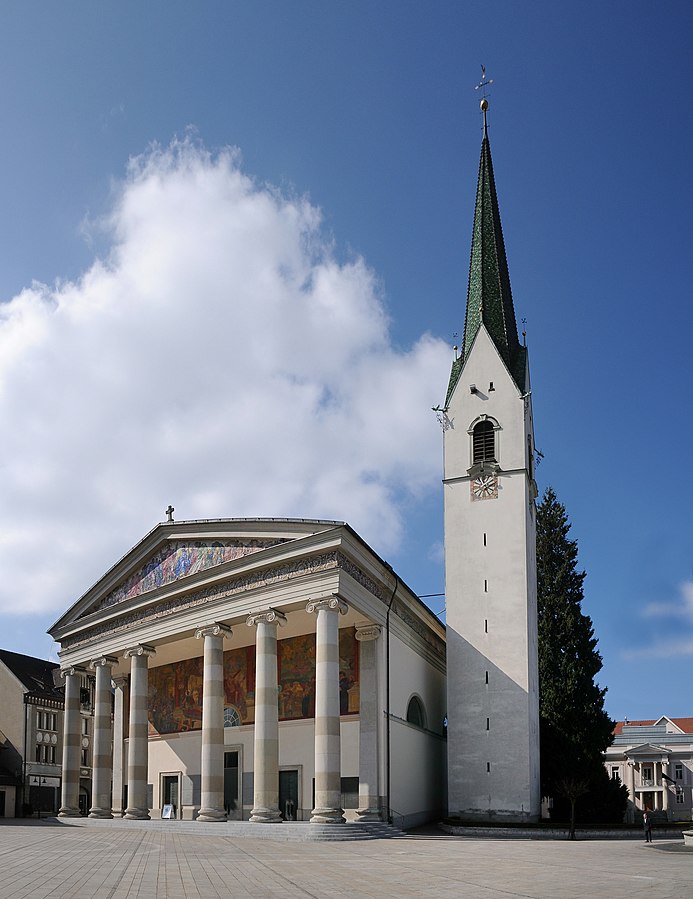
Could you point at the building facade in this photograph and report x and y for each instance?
(31, 736)
(260, 670)
(654, 759)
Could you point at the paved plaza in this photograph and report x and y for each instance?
(90, 860)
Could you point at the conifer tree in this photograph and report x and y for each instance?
(575, 728)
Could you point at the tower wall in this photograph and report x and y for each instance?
(490, 574)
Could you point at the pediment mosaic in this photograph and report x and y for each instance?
(179, 559)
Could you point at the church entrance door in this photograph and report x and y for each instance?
(170, 792)
(288, 794)
(231, 804)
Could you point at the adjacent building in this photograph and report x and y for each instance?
(31, 736)
(654, 759)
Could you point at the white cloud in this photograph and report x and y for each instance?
(680, 608)
(667, 646)
(220, 358)
(661, 649)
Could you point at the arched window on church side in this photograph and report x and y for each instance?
(484, 442)
(415, 712)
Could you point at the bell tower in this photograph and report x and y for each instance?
(490, 542)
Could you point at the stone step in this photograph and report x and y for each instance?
(301, 831)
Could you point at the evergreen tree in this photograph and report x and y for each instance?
(575, 728)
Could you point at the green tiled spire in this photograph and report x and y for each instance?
(489, 298)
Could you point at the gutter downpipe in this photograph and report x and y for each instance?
(387, 697)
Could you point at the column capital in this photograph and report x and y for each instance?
(330, 604)
(142, 649)
(119, 683)
(103, 662)
(367, 632)
(214, 629)
(270, 616)
(72, 669)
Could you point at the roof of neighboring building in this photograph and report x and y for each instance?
(685, 724)
(35, 674)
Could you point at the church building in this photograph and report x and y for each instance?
(279, 669)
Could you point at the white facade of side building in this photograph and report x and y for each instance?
(654, 759)
(490, 585)
(290, 578)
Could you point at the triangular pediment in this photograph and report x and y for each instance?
(645, 750)
(183, 553)
(175, 560)
(671, 726)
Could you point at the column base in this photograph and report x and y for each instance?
(265, 816)
(67, 812)
(368, 815)
(95, 812)
(211, 815)
(137, 814)
(327, 816)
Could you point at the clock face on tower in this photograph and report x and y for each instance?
(484, 486)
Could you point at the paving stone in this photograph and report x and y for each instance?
(141, 860)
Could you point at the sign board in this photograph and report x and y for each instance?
(167, 811)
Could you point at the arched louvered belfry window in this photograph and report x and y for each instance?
(415, 712)
(484, 442)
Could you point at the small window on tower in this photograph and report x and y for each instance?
(484, 442)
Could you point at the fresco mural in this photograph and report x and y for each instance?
(180, 559)
(175, 691)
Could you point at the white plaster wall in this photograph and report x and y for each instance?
(181, 753)
(493, 735)
(411, 674)
(417, 773)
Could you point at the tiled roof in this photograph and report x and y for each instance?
(489, 298)
(686, 724)
(35, 674)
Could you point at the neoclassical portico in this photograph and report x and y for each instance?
(235, 657)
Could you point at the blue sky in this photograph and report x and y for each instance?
(357, 132)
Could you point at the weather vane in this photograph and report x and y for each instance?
(484, 84)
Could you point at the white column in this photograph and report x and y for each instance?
(369, 717)
(138, 743)
(665, 784)
(328, 787)
(630, 766)
(212, 759)
(102, 756)
(266, 755)
(69, 806)
(119, 684)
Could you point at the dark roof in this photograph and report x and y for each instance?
(35, 674)
(489, 298)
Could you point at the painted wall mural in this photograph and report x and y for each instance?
(181, 559)
(175, 691)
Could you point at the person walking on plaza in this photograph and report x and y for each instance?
(647, 825)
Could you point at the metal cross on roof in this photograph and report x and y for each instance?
(169, 513)
(484, 84)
